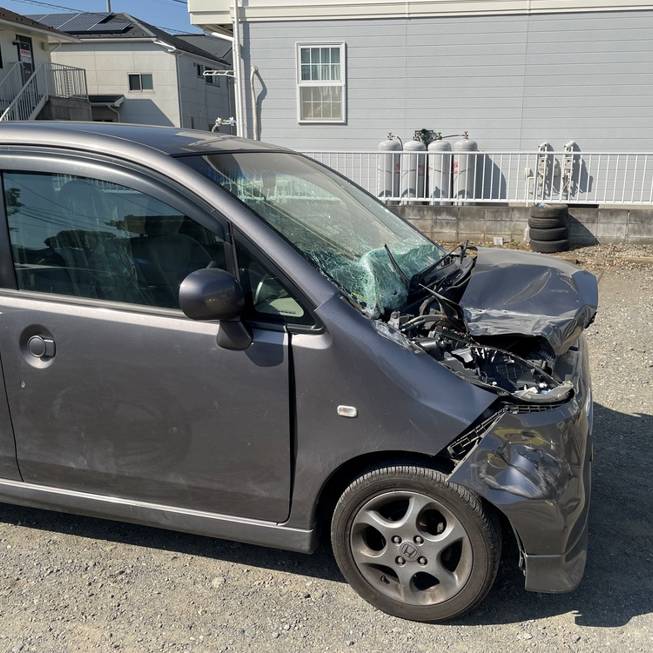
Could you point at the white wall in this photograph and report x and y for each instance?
(175, 83)
(10, 54)
(108, 66)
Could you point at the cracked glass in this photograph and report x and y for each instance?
(340, 229)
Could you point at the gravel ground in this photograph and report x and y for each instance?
(75, 584)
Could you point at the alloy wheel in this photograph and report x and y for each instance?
(411, 548)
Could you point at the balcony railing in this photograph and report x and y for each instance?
(450, 178)
(67, 81)
(23, 95)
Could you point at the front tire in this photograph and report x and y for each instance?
(414, 545)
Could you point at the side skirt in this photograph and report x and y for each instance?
(250, 531)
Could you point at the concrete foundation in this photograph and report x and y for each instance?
(587, 226)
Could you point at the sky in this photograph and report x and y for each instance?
(170, 14)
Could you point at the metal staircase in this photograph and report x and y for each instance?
(23, 95)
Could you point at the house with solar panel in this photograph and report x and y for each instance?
(32, 85)
(138, 73)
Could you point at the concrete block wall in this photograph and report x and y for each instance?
(587, 226)
(66, 109)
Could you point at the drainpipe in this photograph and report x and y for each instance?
(252, 79)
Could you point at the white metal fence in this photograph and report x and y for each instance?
(445, 178)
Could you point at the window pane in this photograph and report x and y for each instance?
(321, 64)
(336, 102)
(146, 81)
(88, 238)
(265, 295)
(326, 110)
(305, 108)
(321, 102)
(134, 82)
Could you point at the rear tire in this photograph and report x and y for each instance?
(414, 545)
(550, 246)
(557, 233)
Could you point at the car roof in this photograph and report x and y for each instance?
(91, 136)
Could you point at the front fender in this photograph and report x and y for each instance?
(405, 401)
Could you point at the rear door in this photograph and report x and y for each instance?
(112, 390)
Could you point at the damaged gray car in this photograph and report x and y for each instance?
(212, 335)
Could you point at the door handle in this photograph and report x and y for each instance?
(41, 347)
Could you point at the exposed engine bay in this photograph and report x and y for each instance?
(529, 379)
(519, 366)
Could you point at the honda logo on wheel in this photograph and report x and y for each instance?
(408, 550)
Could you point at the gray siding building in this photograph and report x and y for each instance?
(334, 75)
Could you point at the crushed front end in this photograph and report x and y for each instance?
(533, 463)
(512, 323)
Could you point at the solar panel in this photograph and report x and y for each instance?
(111, 26)
(93, 22)
(80, 22)
(51, 20)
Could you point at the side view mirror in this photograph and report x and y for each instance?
(213, 294)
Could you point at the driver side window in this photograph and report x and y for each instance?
(90, 238)
(266, 296)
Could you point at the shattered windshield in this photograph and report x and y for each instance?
(341, 230)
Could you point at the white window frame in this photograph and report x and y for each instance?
(342, 83)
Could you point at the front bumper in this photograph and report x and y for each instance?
(535, 467)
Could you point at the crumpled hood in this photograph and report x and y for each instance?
(512, 292)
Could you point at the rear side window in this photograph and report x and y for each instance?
(89, 238)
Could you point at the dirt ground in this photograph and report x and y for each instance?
(72, 584)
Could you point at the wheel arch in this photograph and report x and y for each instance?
(348, 471)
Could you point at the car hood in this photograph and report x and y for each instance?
(519, 293)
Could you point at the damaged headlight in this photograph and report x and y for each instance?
(556, 394)
(494, 369)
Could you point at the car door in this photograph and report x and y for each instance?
(111, 389)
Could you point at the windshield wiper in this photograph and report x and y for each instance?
(420, 276)
(397, 267)
(441, 299)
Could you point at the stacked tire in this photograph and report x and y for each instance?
(547, 227)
